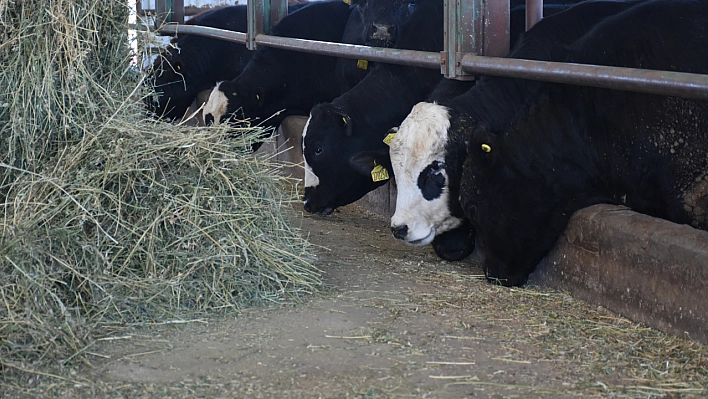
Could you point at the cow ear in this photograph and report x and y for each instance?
(258, 98)
(345, 122)
(375, 163)
(484, 145)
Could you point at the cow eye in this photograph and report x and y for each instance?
(318, 150)
(435, 174)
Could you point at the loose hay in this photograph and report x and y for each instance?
(108, 218)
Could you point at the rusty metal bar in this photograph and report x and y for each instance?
(534, 12)
(641, 80)
(421, 59)
(278, 11)
(496, 28)
(666, 83)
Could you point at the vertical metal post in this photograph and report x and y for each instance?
(262, 15)
(479, 27)
(160, 13)
(278, 11)
(496, 28)
(177, 11)
(534, 12)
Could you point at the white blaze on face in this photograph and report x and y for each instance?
(420, 140)
(311, 179)
(216, 104)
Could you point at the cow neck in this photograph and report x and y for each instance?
(455, 155)
(384, 98)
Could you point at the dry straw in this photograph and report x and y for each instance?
(107, 218)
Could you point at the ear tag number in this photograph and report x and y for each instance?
(379, 173)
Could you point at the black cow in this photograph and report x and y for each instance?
(428, 151)
(342, 141)
(578, 146)
(384, 18)
(195, 63)
(278, 83)
(192, 63)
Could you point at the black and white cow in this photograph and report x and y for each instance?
(194, 63)
(577, 146)
(345, 156)
(428, 151)
(277, 83)
(342, 140)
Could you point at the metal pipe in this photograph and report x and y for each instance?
(641, 80)
(534, 12)
(214, 33)
(666, 83)
(378, 54)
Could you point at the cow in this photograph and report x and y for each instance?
(384, 18)
(577, 146)
(342, 141)
(277, 83)
(195, 63)
(428, 150)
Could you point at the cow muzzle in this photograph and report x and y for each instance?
(382, 34)
(311, 207)
(402, 232)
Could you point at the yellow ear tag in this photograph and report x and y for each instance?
(486, 148)
(362, 64)
(347, 2)
(379, 173)
(389, 138)
(344, 120)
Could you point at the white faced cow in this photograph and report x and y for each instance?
(418, 161)
(429, 150)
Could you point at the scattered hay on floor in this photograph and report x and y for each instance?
(108, 219)
(539, 324)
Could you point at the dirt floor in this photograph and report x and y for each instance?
(398, 322)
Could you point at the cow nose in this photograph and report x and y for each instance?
(399, 232)
(383, 32)
(308, 206)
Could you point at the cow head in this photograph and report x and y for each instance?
(340, 167)
(516, 203)
(254, 95)
(177, 79)
(383, 20)
(418, 158)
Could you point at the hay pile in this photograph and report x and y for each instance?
(108, 219)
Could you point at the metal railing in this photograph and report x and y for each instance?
(668, 83)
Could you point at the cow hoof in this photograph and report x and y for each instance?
(455, 244)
